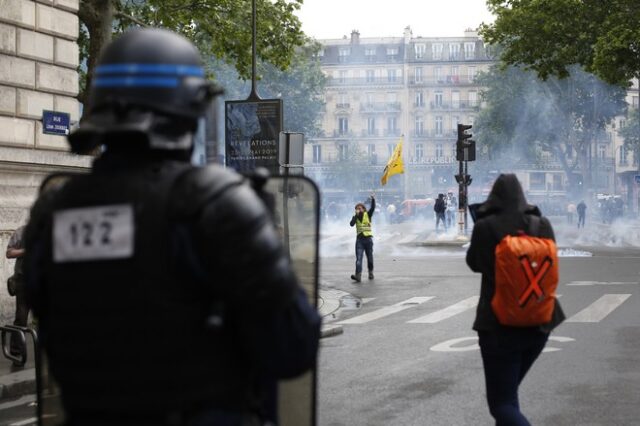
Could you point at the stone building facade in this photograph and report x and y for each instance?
(380, 89)
(39, 57)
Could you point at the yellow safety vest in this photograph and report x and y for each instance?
(364, 226)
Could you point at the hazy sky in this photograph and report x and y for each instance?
(387, 18)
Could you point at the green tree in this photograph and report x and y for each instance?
(529, 119)
(301, 87)
(220, 28)
(548, 36)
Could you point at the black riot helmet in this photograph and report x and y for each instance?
(149, 83)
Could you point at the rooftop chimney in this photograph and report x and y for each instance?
(355, 37)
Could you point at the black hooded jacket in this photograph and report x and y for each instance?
(504, 213)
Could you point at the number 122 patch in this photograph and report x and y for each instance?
(93, 233)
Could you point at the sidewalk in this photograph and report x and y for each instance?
(16, 382)
(328, 303)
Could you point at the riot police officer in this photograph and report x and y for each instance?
(162, 289)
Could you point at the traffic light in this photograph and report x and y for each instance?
(465, 146)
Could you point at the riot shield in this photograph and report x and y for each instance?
(295, 205)
(297, 216)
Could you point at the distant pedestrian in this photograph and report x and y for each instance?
(440, 207)
(391, 213)
(582, 212)
(507, 351)
(15, 250)
(364, 239)
(452, 207)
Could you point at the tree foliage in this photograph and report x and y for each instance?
(301, 87)
(548, 36)
(220, 28)
(527, 118)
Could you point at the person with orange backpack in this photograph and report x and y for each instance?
(513, 247)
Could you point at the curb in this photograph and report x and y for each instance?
(18, 384)
(331, 330)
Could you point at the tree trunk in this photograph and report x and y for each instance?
(97, 16)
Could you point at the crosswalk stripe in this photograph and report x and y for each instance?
(447, 312)
(599, 309)
(387, 310)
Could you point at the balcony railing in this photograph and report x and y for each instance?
(454, 105)
(455, 80)
(342, 134)
(432, 133)
(380, 107)
(392, 132)
(370, 133)
(362, 81)
(343, 106)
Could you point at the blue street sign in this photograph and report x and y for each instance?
(637, 178)
(55, 123)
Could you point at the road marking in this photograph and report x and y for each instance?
(367, 299)
(599, 309)
(588, 283)
(20, 401)
(387, 310)
(447, 312)
(560, 339)
(28, 421)
(471, 344)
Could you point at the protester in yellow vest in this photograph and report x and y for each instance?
(364, 239)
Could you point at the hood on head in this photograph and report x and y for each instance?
(506, 195)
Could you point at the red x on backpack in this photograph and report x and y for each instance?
(526, 278)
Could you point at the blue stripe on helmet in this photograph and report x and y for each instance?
(151, 69)
(135, 82)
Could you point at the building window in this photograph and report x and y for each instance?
(455, 99)
(418, 74)
(342, 152)
(392, 125)
(623, 157)
(390, 148)
(343, 125)
(342, 76)
(439, 150)
(392, 53)
(419, 123)
(370, 54)
(419, 152)
(469, 50)
(371, 126)
(419, 99)
(437, 74)
(454, 52)
(437, 102)
(622, 123)
(471, 73)
(392, 97)
(436, 51)
(343, 54)
(420, 49)
(438, 122)
(634, 101)
(371, 150)
(537, 181)
(371, 76)
(473, 98)
(602, 151)
(557, 182)
(317, 154)
(391, 75)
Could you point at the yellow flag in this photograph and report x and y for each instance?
(394, 165)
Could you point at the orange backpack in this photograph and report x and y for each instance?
(526, 279)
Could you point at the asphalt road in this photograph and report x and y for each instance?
(397, 362)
